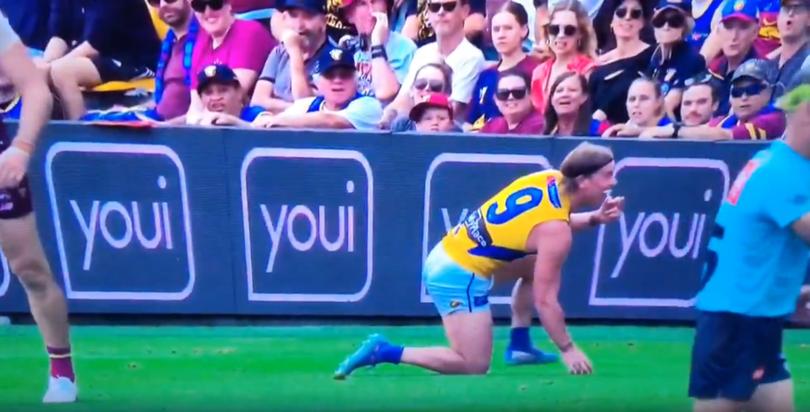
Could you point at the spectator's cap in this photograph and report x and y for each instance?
(315, 6)
(798, 90)
(216, 74)
(746, 10)
(336, 58)
(757, 69)
(437, 100)
(342, 4)
(684, 6)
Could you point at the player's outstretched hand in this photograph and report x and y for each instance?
(610, 210)
(576, 362)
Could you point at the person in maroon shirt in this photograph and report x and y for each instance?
(517, 113)
(223, 40)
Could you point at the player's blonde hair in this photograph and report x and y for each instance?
(584, 160)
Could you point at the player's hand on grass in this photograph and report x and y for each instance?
(576, 362)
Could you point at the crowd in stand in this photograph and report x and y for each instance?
(699, 69)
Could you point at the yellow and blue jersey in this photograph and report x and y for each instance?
(496, 233)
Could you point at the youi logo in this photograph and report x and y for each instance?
(457, 183)
(652, 256)
(308, 224)
(122, 220)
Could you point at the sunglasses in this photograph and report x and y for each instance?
(703, 78)
(566, 29)
(503, 94)
(435, 86)
(156, 3)
(200, 5)
(750, 90)
(622, 12)
(342, 74)
(673, 19)
(448, 6)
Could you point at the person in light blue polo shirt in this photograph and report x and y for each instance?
(756, 263)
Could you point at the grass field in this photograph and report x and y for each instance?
(290, 369)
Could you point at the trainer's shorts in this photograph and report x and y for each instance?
(14, 202)
(453, 288)
(733, 354)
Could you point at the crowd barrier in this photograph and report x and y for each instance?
(227, 222)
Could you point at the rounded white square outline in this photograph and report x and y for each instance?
(298, 153)
(6, 276)
(656, 162)
(455, 157)
(118, 148)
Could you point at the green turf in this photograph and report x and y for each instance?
(290, 369)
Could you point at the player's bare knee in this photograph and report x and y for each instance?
(478, 367)
(33, 274)
(61, 76)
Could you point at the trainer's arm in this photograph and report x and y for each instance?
(553, 244)
(802, 228)
(33, 88)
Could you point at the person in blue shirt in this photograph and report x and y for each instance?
(223, 99)
(756, 263)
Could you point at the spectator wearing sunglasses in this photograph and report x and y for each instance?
(618, 68)
(289, 71)
(92, 48)
(223, 99)
(699, 102)
(340, 105)
(517, 113)
(222, 41)
(794, 28)
(509, 27)
(430, 78)
(422, 31)
(569, 109)
(740, 23)
(383, 57)
(433, 114)
(447, 19)
(173, 77)
(752, 117)
(573, 45)
(674, 61)
(645, 107)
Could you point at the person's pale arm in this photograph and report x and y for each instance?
(474, 25)
(55, 49)
(317, 120)
(247, 78)
(705, 133)
(384, 80)
(263, 97)
(609, 211)
(553, 245)
(33, 87)
(299, 78)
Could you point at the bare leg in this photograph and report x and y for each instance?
(68, 77)
(773, 397)
(22, 247)
(470, 351)
(716, 405)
